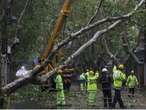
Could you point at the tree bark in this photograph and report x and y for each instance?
(3, 52)
(23, 81)
(145, 47)
(110, 53)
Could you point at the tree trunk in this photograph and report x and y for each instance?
(12, 87)
(4, 46)
(145, 49)
(1, 94)
(4, 42)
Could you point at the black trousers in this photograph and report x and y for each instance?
(117, 98)
(131, 91)
(107, 98)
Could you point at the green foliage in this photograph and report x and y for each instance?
(40, 17)
(39, 21)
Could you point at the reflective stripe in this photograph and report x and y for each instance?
(59, 82)
(60, 97)
(92, 98)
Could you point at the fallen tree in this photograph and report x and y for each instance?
(110, 53)
(97, 35)
(23, 81)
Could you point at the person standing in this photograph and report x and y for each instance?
(82, 82)
(132, 82)
(118, 77)
(92, 87)
(60, 89)
(106, 82)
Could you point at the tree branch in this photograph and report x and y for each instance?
(91, 41)
(20, 17)
(99, 4)
(16, 84)
(127, 48)
(109, 52)
(77, 34)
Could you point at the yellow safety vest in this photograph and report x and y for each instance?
(118, 77)
(91, 79)
(132, 81)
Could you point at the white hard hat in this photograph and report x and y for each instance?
(22, 67)
(104, 70)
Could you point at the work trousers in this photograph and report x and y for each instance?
(92, 97)
(117, 98)
(83, 86)
(67, 84)
(60, 97)
(131, 91)
(107, 98)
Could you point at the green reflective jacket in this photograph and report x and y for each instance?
(118, 77)
(132, 81)
(59, 82)
(91, 79)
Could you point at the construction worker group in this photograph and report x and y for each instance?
(116, 81)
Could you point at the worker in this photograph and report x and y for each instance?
(82, 82)
(87, 70)
(67, 77)
(132, 82)
(86, 74)
(118, 77)
(59, 88)
(92, 87)
(106, 81)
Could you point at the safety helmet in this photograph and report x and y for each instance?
(91, 72)
(132, 71)
(104, 70)
(22, 67)
(87, 70)
(121, 66)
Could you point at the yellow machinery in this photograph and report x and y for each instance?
(55, 34)
(52, 40)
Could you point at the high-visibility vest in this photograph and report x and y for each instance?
(124, 75)
(91, 81)
(82, 76)
(59, 82)
(132, 81)
(118, 77)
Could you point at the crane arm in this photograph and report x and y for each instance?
(58, 26)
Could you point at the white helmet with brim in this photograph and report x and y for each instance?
(104, 70)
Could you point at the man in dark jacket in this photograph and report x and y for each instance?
(106, 82)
